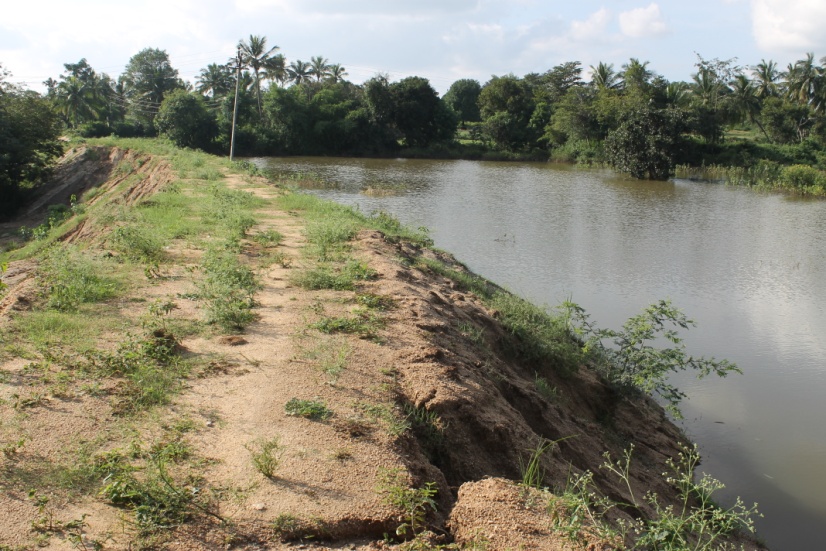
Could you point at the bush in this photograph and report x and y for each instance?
(95, 129)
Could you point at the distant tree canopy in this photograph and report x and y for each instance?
(184, 119)
(629, 117)
(29, 130)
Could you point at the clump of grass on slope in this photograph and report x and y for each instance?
(70, 277)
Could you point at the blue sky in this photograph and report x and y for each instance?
(442, 40)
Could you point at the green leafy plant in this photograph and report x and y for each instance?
(229, 288)
(311, 409)
(533, 474)
(634, 362)
(413, 502)
(266, 455)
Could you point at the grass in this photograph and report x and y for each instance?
(266, 455)
(336, 277)
(363, 323)
(309, 409)
(70, 277)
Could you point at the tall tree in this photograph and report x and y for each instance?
(463, 97)
(603, 76)
(147, 79)
(254, 54)
(29, 130)
(746, 102)
(299, 72)
(766, 78)
(275, 69)
(336, 73)
(636, 74)
(215, 80)
(319, 67)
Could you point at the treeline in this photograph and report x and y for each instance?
(725, 115)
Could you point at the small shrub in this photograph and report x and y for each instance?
(413, 502)
(266, 455)
(140, 244)
(229, 288)
(634, 363)
(310, 409)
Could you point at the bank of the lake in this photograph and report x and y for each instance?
(746, 266)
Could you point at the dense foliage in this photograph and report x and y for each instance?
(754, 125)
(29, 129)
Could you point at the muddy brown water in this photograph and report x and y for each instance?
(749, 268)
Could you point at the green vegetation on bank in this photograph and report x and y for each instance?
(725, 121)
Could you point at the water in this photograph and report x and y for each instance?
(749, 268)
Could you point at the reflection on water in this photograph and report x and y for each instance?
(750, 268)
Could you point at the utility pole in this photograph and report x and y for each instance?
(235, 108)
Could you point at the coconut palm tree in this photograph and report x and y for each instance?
(319, 67)
(636, 73)
(254, 54)
(746, 101)
(603, 76)
(766, 78)
(215, 80)
(336, 73)
(275, 70)
(299, 71)
(74, 100)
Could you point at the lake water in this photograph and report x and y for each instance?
(749, 268)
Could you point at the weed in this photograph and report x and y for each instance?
(375, 302)
(536, 335)
(533, 473)
(331, 356)
(268, 238)
(363, 323)
(310, 409)
(475, 334)
(634, 363)
(140, 244)
(396, 423)
(266, 455)
(150, 365)
(339, 278)
(228, 287)
(414, 502)
(70, 278)
(544, 388)
(287, 526)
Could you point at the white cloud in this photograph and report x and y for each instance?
(593, 27)
(642, 22)
(789, 26)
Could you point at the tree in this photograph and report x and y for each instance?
(463, 97)
(147, 79)
(766, 76)
(275, 69)
(603, 76)
(745, 101)
(319, 68)
(646, 143)
(254, 54)
(215, 80)
(336, 73)
(299, 71)
(29, 131)
(418, 114)
(184, 119)
(506, 105)
(636, 74)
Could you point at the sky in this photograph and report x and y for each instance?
(442, 40)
